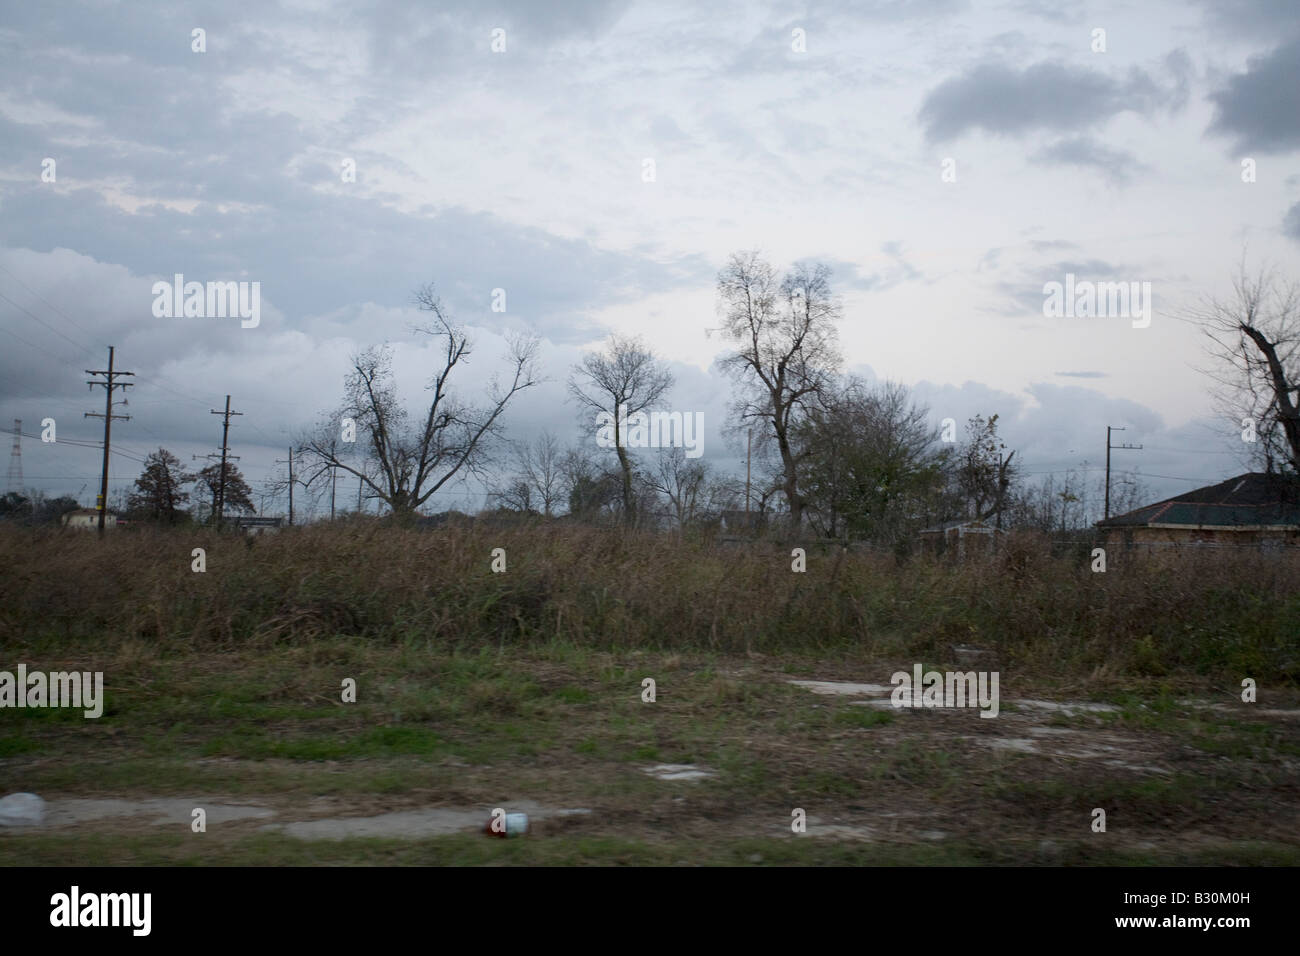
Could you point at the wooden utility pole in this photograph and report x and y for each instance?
(110, 382)
(1109, 446)
(219, 499)
(225, 448)
(280, 461)
(334, 480)
(749, 444)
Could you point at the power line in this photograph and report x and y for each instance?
(78, 443)
(36, 318)
(1117, 471)
(47, 302)
(66, 361)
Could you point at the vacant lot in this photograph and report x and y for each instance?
(523, 691)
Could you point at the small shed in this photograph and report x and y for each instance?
(960, 537)
(253, 525)
(87, 519)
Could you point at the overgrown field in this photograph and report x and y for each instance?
(478, 690)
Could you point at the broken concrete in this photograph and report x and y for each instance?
(21, 810)
(1069, 707)
(678, 771)
(412, 824)
(841, 687)
(160, 811)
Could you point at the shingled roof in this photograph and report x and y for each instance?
(1252, 500)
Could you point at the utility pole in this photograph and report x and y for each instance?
(109, 383)
(15, 479)
(1109, 446)
(749, 444)
(225, 448)
(334, 480)
(219, 502)
(360, 482)
(998, 522)
(279, 461)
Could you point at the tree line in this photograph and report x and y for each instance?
(833, 455)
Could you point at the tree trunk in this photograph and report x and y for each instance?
(791, 483)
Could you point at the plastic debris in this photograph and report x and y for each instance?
(513, 825)
(21, 810)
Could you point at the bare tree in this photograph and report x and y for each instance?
(1127, 493)
(404, 463)
(984, 474)
(1256, 338)
(785, 356)
(513, 495)
(536, 483)
(681, 481)
(621, 381)
(539, 466)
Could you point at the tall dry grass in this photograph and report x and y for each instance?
(1201, 613)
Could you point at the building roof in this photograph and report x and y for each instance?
(1252, 500)
(966, 524)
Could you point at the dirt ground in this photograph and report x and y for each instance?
(723, 767)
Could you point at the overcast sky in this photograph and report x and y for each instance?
(524, 170)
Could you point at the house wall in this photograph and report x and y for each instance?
(1200, 537)
(90, 521)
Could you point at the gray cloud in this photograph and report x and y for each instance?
(849, 275)
(1259, 19)
(897, 11)
(550, 282)
(1047, 96)
(1057, 11)
(1116, 165)
(1260, 109)
(1023, 294)
(1291, 222)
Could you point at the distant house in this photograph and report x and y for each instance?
(88, 519)
(444, 519)
(961, 537)
(741, 522)
(1254, 510)
(250, 524)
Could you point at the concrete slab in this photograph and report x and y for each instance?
(160, 811)
(842, 687)
(413, 824)
(678, 771)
